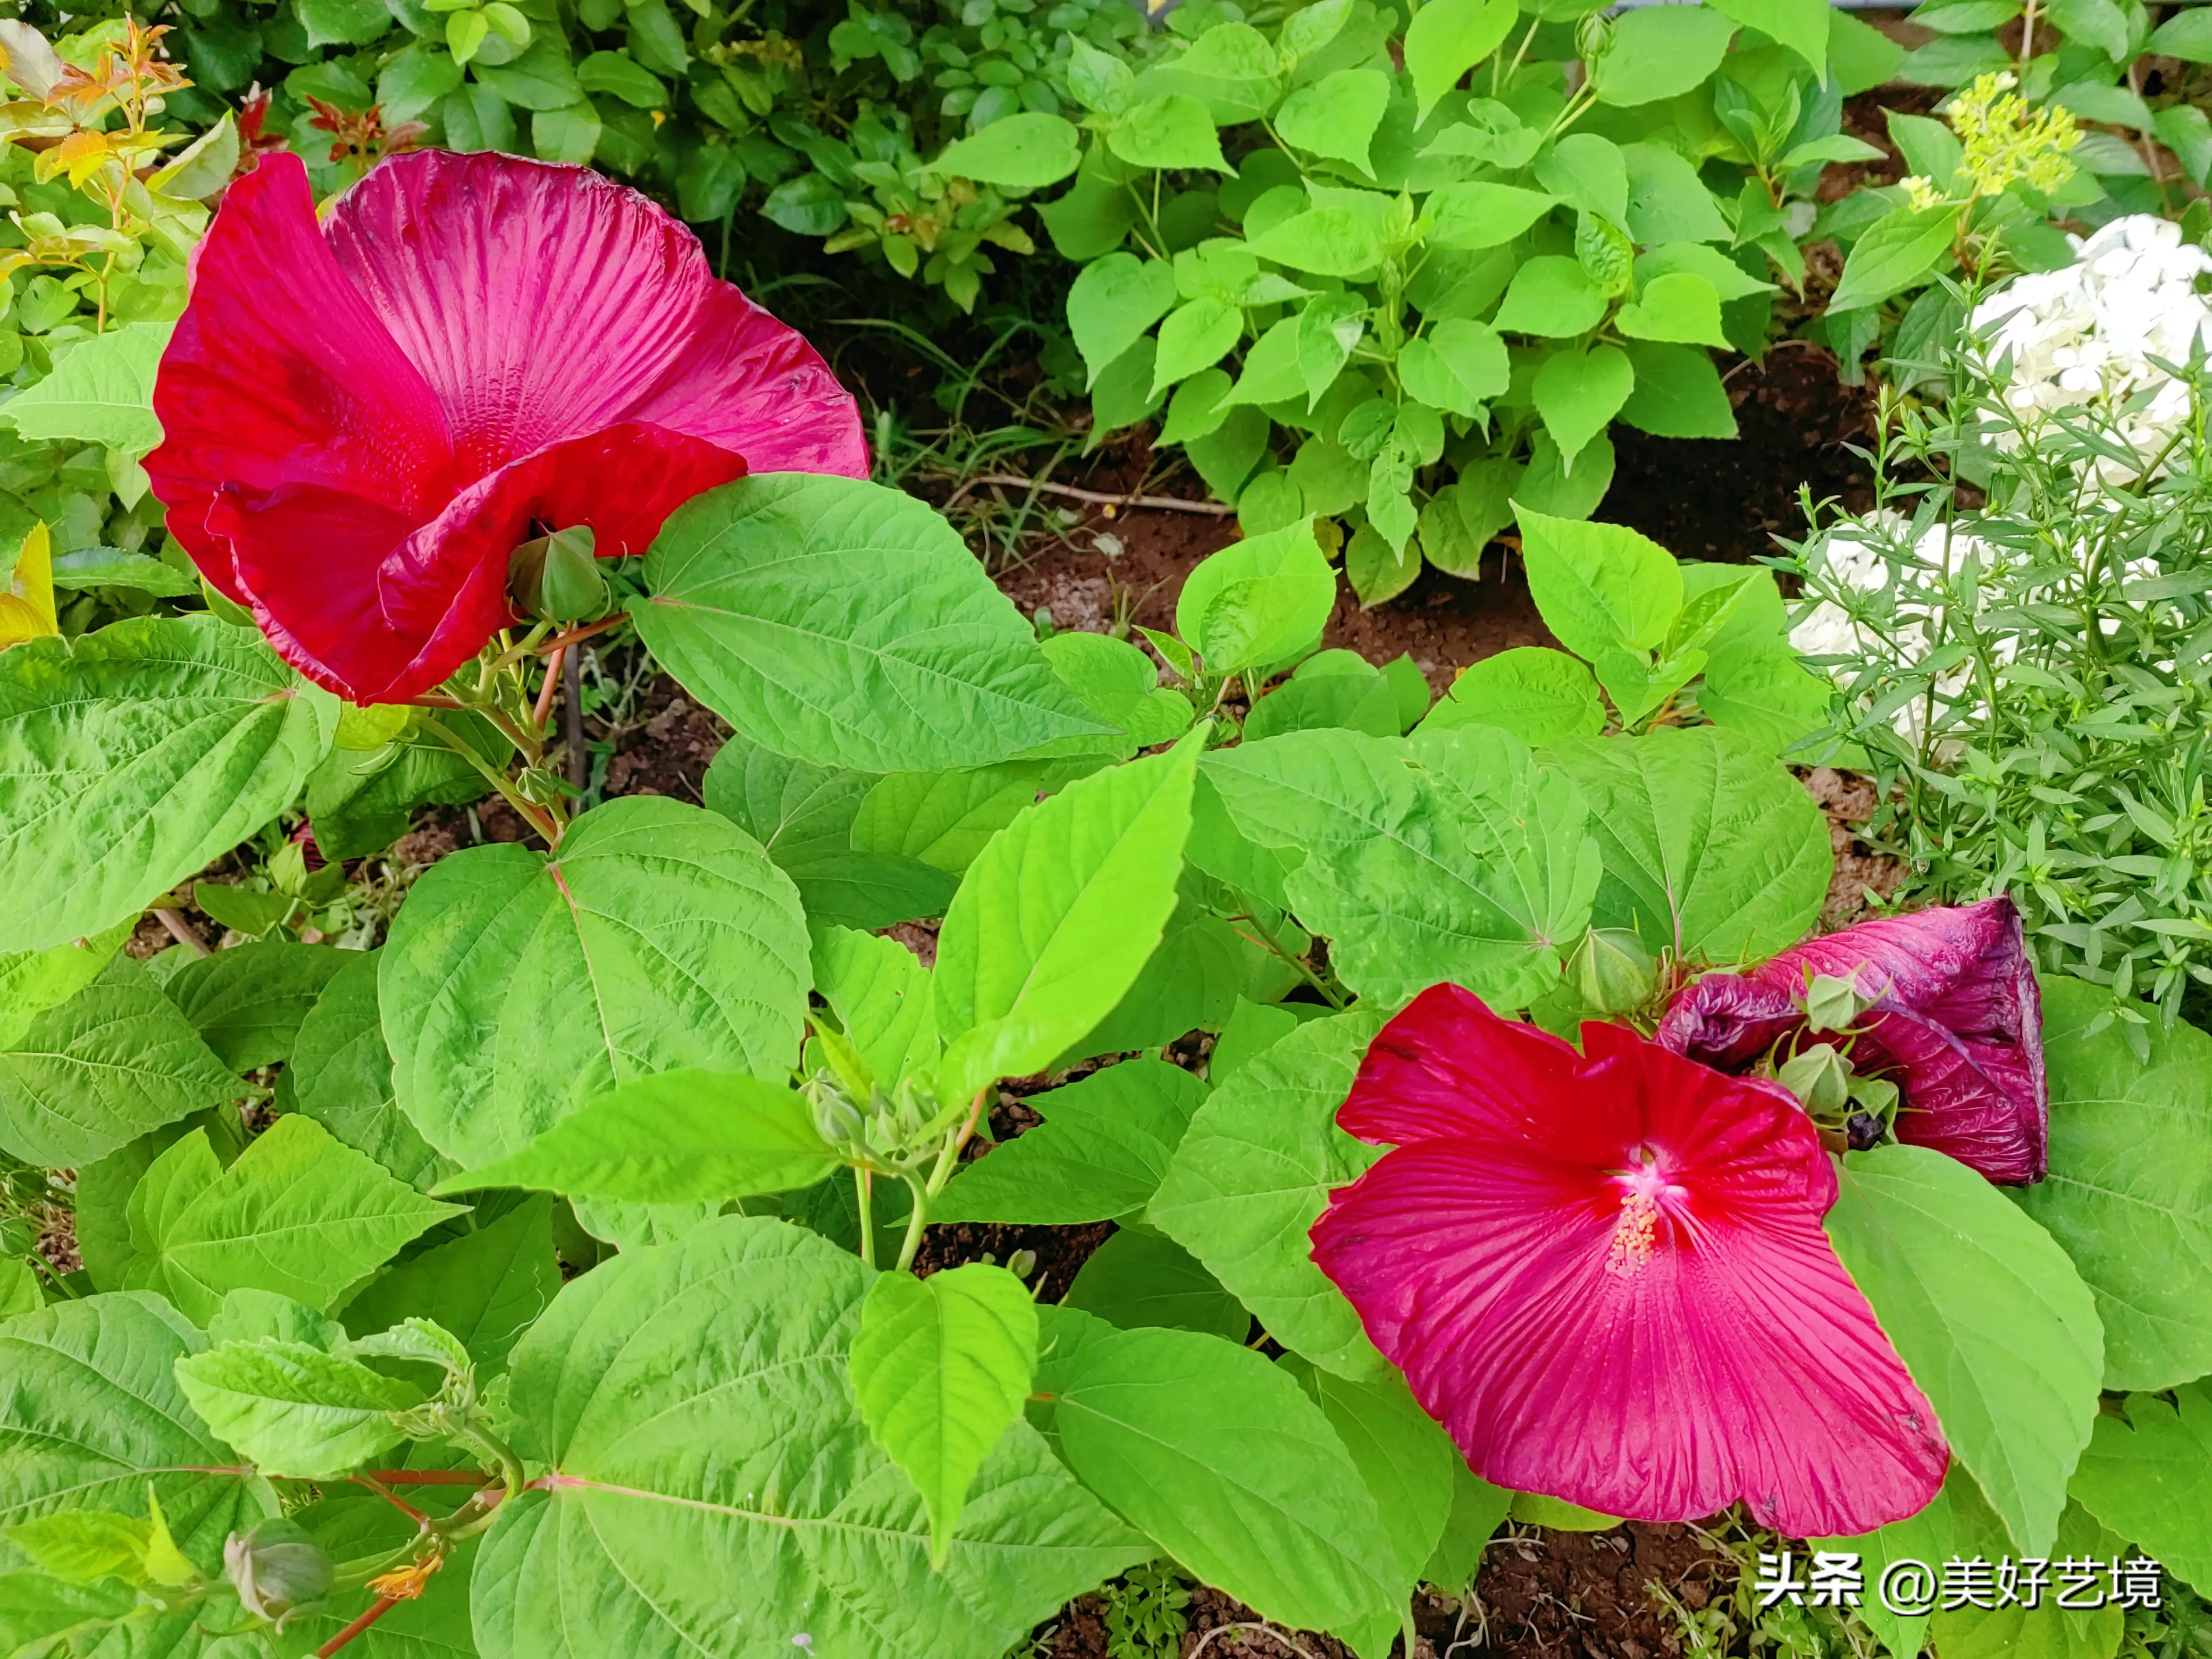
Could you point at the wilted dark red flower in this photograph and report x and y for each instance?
(364, 418)
(1605, 1274)
(1954, 1020)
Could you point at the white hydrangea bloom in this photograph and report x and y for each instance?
(2085, 334)
(1858, 554)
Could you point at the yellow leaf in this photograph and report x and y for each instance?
(27, 609)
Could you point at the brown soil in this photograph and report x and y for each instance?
(1060, 1251)
(1847, 799)
(1728, 500)
(1552, 1594)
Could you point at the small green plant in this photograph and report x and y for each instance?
(1144, 1613)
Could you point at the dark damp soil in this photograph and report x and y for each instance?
(1625, 1593)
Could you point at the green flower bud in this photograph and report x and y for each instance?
(836, 1120)
(1820, 1076)
(277, 1569)
(556, 577)
(1832, 1004)
(1611, 972)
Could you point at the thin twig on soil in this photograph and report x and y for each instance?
(179, 931)
(1206, 1641)
(1096, 497)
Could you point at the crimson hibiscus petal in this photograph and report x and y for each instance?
(1605, 1274)
(1953, 1018)
(363, 418)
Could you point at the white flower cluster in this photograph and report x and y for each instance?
(1859, 556)
(2085, 334)
(1856, 556)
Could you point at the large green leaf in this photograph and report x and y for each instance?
(1024, 151)
(1209, 955)
(1221, 1457)
(2148, 1477)
(945, 819)
(294, 1408)
(97, 1072)
(340, 1075)
(805, 816)
(1406, 1460)
(712, 1490)
(1054, 921)
(2077, 1618)
(1254, 1173)
(881, 994)
(299, 1214)
(1257, 601)
(1897, 252)
(31, 981)
(248, 1003)
(940, 1368)
(848, 624)
(682, 1137)
(2130, 1191)
(1711, 849)
(1099, 1155)
(516, 987)
(1140, 1278)
(92, 1414)
(1449, 857)
(1989, 1316)
(102, 391)
(131, 756)
(486, 1287)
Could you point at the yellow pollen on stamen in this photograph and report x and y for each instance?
(1634, 1235)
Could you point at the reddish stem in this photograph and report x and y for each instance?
(435, 699)
(377, 1610)
(430, 1477)
(553, 666)
(391, 1497)
(562, 642)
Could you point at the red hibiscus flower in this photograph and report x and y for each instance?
(365, 417)
(1605, 1274)
(1953, 1019)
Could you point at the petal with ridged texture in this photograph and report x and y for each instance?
(546, 301)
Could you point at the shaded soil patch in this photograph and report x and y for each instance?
(1727, 499)
(1564, 1594)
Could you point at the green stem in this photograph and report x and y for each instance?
(1267, 942)
(912, 1244)
(948, 1160)
(491, 1445)
(533, 815)
(865, 1201)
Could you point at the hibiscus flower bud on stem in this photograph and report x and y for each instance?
(1820, 1077)
(1612, 971)
(556, 577)
(277, 1569)
(1833, 1004)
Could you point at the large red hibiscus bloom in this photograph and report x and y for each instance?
(364, 418)
(1953, 1018)
(1605, 1274)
